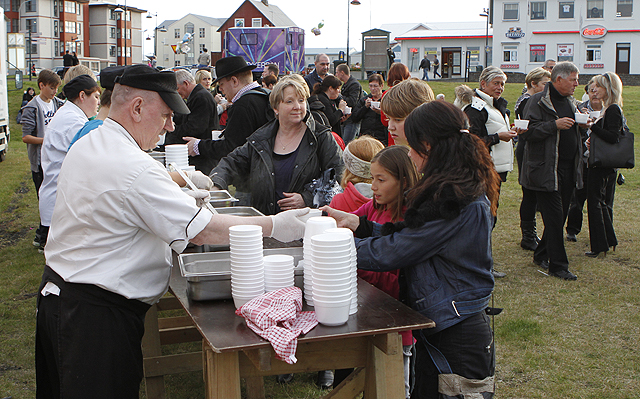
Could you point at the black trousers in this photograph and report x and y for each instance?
(529, 202)
(554, 206)
(601, 232)
(88, 344)
(574, 219)
(468, 348)
(42, 231)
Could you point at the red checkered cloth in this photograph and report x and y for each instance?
(277, 316)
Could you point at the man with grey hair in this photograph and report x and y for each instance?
(200, 122)
(351, 91)
(551, 160)
(322, 64)
(549, 64)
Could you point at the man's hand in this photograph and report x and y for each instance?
(201, 197)
(201, 180)
(288, 225)
(564, 123)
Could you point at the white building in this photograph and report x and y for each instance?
(204, 34)
(454, 43)
(596, 35)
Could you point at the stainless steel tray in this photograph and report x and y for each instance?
(239, 211)
(208, 274)
(221, 198)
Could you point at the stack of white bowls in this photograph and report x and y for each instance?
(332, 277)
(178, 154)
(278, 272)
(247, 263)
(354, 267)
(314, 226)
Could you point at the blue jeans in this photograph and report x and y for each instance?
(350, 131)
(425, 74)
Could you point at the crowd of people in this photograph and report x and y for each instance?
(420, 183)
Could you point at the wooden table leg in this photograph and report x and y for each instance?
(221, 374)
(384, 373)
(154, 386)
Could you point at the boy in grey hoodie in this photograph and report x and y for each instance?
(35, 117)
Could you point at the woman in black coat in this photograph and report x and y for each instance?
(607, 127)
(327, 92)
(369, 114)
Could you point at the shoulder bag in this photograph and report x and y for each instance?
(616, 155)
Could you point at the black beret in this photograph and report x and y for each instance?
(76, 85)
(108, 76)
(164, 83)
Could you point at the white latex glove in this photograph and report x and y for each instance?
(289, 225)
(201, 196)
(198, 178)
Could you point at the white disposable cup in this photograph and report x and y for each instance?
(347, 110)
(521, 123)
(312, 213)
(332, 313)
(581, 118)
(594, 115)
(337, 277)
(318, 224)
(375, 104)
(245, 229)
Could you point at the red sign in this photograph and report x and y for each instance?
(593, 66)
(509, 66)
(593, 31)
(413, 50)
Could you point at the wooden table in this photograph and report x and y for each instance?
(369, 342)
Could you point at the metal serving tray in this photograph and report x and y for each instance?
(208, 274)
(221, 198)
(239, 211)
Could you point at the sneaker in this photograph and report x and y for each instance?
(36, 240)
(564, 274)
(325, 379)
(572, 237)
(497, 274)
(542, 263)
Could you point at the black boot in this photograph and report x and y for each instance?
(529, 238)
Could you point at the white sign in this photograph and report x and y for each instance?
(565, 50)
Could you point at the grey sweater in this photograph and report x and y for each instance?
(33, 123)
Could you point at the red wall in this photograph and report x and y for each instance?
(246, 11)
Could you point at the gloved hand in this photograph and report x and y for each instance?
(201, 196)
(289, 225)
(198, 178)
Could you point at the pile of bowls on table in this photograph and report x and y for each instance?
(178, 154)
(330, 271)
(278, 272)
(247, 263)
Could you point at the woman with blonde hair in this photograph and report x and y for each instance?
(356, 180)
(400, 100)
(608, 127)
(203, 78)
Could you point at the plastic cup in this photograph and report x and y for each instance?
(594, 115)
(521, 123)
(245, 229)
(332, 313)
(581, 118)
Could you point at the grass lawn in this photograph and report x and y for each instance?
(555, 339)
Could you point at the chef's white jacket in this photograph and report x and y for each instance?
(117, 216)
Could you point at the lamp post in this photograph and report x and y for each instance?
(155, 34)
(123, 17)
(485, 13)
(355, 3)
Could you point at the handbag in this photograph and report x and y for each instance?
(616, 155)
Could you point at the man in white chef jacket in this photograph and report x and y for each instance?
(117, 217)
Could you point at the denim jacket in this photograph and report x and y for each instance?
(447, 263)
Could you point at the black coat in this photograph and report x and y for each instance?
(352, 91)
(371, 124)
(199, 124)
(253, 162)
(245, 116)
(330, 111)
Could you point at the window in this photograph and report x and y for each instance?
(510, 11)
(510, 53)
(70, 27)
(113, 15)
(56, 48)
(202, 32)
(176, 63)
(56, 28)
(70, 7)
(625, 8)
(79, 48)
(566, 9)
(15, 25)
(188, 28)
(119, 33)
(538, 10)
(202, 47)
(239, 23)
(31, 47)
(15, 6)
(537, 52)
(79, 28)
(128, 52)
(594, 52)
(55, 10)
(31, 25)
(595, 8)
(112, 33)
(112, 51)
(128, 32)
(256, 22)
(474, 55)
(565, 52)
(248, 39)
(30, 6)
(176, 33)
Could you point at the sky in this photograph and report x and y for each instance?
(307, 14)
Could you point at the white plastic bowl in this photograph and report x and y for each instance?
(332, 313)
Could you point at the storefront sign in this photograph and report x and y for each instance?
(593, 32)
(514, 33)
(510, 66)
(413, 50)
(593, 66)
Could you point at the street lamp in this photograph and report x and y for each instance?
(355, 3)
(485, 13)
(123, 17)
(155, 33)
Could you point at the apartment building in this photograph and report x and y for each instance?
(596, 35)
